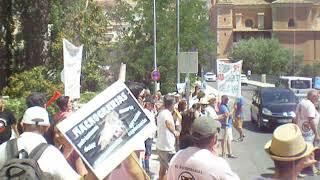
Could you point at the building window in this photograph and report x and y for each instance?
(248, 23)
(291, 23)
(224, 19)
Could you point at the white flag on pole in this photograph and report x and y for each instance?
(70, 75)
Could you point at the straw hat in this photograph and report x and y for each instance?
(203, 101)
(211, 97)
(287, 144)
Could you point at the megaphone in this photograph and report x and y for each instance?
(55, 96)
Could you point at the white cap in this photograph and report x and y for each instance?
(36, 115)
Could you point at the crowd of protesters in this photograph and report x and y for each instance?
(189, 131)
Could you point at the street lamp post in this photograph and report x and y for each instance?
(178, 37)
(155, 41)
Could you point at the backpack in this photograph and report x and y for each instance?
(21, 165)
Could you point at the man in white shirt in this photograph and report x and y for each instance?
(201, 161)
(166, 136)
(35, 123)
(307, 117)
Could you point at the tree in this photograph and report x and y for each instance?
(6, 39)
(81, 25)
(266, 56)
(136, 43)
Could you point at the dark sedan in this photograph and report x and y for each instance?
(273, 106)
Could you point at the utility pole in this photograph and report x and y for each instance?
(155, 42)
(178, 37)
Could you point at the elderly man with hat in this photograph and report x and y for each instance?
(201, 160)
(211, 107)
(289, 151)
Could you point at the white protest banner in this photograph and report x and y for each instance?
(107, 129)
(228, 77)
(72, 57)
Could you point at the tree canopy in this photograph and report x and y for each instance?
(266, 56)
(27, 42)
(135, 47)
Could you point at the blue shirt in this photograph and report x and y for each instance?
(223, 109)
(239, 105)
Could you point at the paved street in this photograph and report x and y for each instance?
(252, 160)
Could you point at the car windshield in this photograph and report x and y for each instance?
(300, 84)
(278, 97)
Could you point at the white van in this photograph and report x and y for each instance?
(299, 85)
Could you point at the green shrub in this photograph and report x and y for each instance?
(87, 96)
(17, 106)
(35, 80)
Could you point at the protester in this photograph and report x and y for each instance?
(197, 109)
(8, 127)
(307, 118)
(65, 106)
(65, 109)
(226, 127)
(201, 160)
(238, 115)
(35, 123)
(210, 109)
(196, 91)
(166, 136)
(177, 117)
(182, 106)
(149, 110)
(37, 99)
(185, 134)
(289, 151)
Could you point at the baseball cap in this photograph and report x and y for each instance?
(204, 127)
(36, 115)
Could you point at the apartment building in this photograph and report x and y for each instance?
(296, 23)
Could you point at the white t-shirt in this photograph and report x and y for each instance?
(211, 112)
(306, 109)
(196, 163)
(152, 117)
(166, 139)
(51, 160)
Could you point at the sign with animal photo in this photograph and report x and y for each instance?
(107, 129)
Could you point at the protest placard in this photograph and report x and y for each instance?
(228, 78)
(107, 129)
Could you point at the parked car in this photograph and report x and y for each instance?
(244, 79)
(273, 106)
(209, 76)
